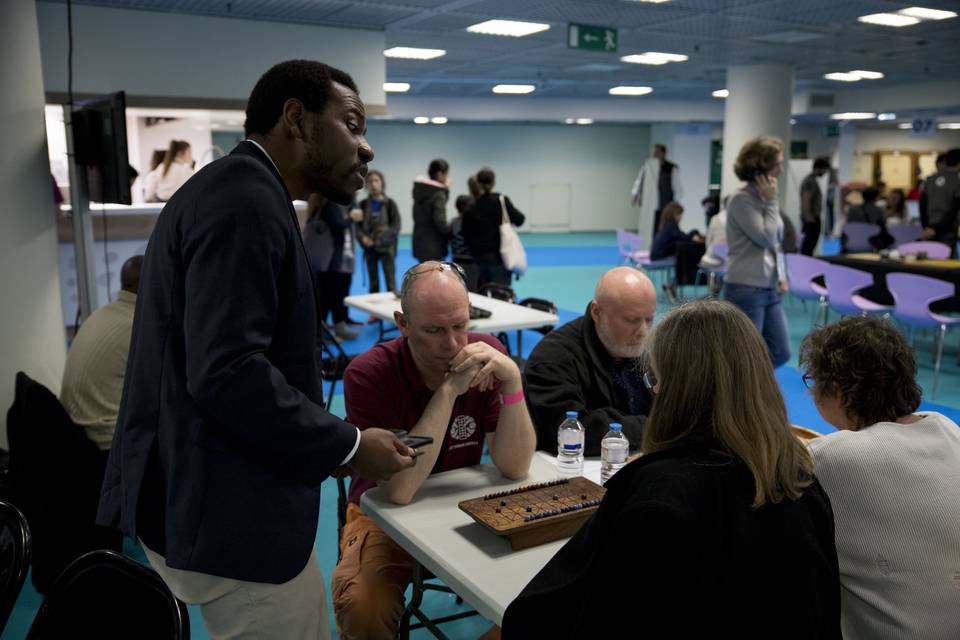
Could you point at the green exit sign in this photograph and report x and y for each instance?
(592, 38)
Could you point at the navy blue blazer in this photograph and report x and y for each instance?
(222, 440)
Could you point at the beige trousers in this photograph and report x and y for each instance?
(240, 610)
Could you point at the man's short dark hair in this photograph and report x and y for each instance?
(308, 81)
(662, 147)
(941, 158)
(867, 364)
(870, 194)
(953, 157)
(821, 163)
(439, 165)
(130, 274)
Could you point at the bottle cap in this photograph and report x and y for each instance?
(571, 414)
(615, 426)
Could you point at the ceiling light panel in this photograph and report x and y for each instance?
(889, 19)
(721, 93)
(507, 28)
(927, 14)
(630, 91)
(515, 89)
(853, 115)
(413, 53)
(396, 87)
(867, 75)
(842, 76)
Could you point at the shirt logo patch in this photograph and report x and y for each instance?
(940, 181)
(462, 427)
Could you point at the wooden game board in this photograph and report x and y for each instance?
(535, 514)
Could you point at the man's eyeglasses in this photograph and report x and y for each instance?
(807, 381)
(649, 380)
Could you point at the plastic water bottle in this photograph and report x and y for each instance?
(613, 452)
(570, 446)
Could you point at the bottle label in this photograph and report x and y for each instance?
(617, 457)
(576, 446)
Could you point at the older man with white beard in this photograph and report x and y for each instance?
(592, 365)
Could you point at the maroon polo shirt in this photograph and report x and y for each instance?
(383, 388)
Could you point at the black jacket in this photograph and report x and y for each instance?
(222, 440)
(384, 230)
(676, 551)
(481, 223)
(430, 227)
(323, 237)
(569, 370)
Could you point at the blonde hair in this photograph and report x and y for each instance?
(757, 155)
(715, 378)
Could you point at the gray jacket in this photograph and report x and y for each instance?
(754, 235)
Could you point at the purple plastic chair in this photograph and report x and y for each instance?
(801, 270)
(842, 286)
(912, 295)
(859, 234)
(629, 244)
(903, 233)
(934, 250)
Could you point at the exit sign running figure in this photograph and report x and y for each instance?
(592, 38)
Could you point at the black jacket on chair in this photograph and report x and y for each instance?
(222, 441)
(676, 551)
(55, 473)
(569, 370)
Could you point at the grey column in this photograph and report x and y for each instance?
(759, 104)
(31, 320)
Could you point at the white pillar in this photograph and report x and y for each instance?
(31, 321)
(759, 104)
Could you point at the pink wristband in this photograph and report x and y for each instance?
(511, 398)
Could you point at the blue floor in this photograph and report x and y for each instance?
(564, 268)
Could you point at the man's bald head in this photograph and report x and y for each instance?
(435, 282)
(435, 316)
(623, 307)
(624, 283)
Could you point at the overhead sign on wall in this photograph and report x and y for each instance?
(922, 127)
(591, 37)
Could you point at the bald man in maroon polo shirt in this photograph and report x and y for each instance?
(436, 380)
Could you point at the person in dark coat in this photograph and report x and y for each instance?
(719, 530)
(431, 231)
(591, 365)
(481, 229)
(222, 441)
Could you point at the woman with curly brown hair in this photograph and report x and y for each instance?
(756, 276)
(893, 477)
(719, 529)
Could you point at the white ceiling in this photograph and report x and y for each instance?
(825, 36)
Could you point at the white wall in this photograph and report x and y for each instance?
(186, 56)
(598, 163)
(31, 333)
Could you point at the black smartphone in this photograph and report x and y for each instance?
(756, 173)
(415, 442)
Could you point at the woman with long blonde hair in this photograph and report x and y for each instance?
(719, 529)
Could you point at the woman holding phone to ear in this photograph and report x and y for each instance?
(756, 276)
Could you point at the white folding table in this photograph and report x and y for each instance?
(504, 316)
(476, 564)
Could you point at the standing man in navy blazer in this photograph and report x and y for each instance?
(222, 440)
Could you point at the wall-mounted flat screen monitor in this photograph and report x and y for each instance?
(100, 146)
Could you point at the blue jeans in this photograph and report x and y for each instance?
(763, 308)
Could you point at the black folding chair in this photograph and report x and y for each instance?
(15, 545)
(102, 594)
(333, 361)
(506, 294)
(540, 305)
